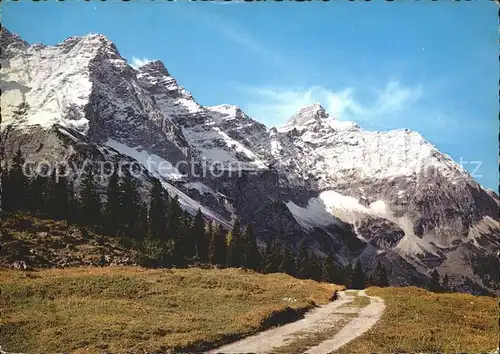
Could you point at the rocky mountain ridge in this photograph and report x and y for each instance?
(389, 196)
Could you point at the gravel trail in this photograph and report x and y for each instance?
(316, 320)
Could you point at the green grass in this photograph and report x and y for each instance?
(358, 301)
(416, 320)
(351, 292)
(131, 309)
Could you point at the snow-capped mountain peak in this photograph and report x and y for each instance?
(155, 67)
(228, 109)
(308, 117)
(91, 44)
(315, 118)
(227, 112)
(315, 112)
(96, 38)
(11, 43)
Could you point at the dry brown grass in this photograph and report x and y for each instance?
(358, 301)
(417, 321)
(119, 309)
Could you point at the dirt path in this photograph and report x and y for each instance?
(317, 321)
(365, 320)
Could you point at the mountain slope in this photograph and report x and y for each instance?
(388, 196)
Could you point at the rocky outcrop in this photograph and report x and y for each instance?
(29, 243)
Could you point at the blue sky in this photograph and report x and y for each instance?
(427, 66)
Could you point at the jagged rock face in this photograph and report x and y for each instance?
(379, 232)
(308, 116)
(223, 134)
(388, 196)
(11, 44)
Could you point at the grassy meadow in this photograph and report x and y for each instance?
(419, 321)
(119, 309)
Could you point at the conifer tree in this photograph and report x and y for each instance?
(90, 202)
(347, 274)
(50, 200)
(200, 236)
(209, 233)
(338, 275)
(288, 264)
(303, 260)
(158, 209)
(112, 209)
(185, 245)
(358, 277)
(435, 284)
(211, 230)
(371, 281)
(379, 276)
(74, 207)
(222, 241)
(18, 183)
(173, 219)
(4, 185)
(269, 259)
(315, 269)
(38, 191)
(265, 258)
(273, 257)
(277, 256)
(446, 283)
(328, 269)
(129, 204)
(234, 246)
(59, 204)
(157, 253)
(251, 251)
(218, 246)
(141, 227)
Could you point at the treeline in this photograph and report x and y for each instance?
(439, 285)
(166, 234)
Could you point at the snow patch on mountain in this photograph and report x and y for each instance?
(200, 187)
(154, 164)
(68, 89)
(313, 215)
(412, 246)
(350, 210)
(165, 172)
(330, 206)
(192, 205)
(224, 112)
(221, 151)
